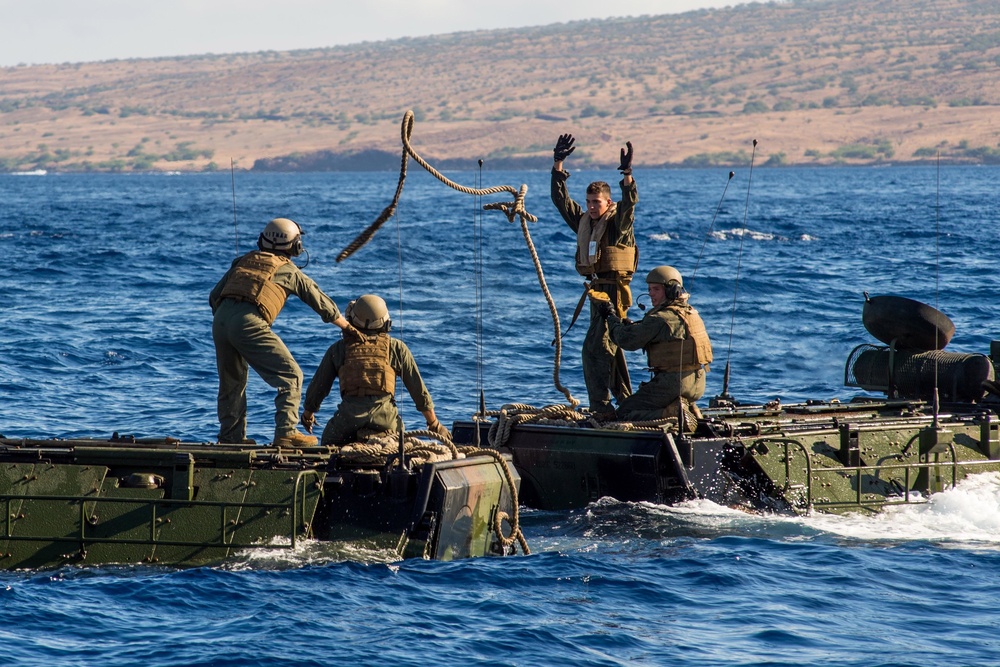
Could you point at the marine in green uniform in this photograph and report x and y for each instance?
(677, 348)
(245, 303)
(607, 256)
(367, 369)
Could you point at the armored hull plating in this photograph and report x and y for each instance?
(830, 457)
(859, 455)
(174, 503)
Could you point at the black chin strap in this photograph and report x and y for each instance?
(306, 252)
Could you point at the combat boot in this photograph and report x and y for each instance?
(296, 439)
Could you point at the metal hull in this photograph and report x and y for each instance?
(829, 457)
(184, 504)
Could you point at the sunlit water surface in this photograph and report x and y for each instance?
(106, 327)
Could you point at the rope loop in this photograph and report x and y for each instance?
(515, 520)
(511, 209)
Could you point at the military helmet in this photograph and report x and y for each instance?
(369, 313)
(664, 275)
(282, 235)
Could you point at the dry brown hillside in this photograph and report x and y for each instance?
(815, 81)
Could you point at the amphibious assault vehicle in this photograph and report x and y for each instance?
(936, 424)
(128, 500)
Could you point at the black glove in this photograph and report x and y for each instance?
(626, 164)
(563, 147)
(605, 309)
(308, 420)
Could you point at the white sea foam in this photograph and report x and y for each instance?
(278, 554)
(664, 236)
(967, 515)
(737, 232)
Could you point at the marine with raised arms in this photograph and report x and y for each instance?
(606, 255)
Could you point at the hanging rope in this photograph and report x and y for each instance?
(511, 209)
(514, 521)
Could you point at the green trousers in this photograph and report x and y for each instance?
(243, 338)
(650, 401)
(600, 372)
(360, 416)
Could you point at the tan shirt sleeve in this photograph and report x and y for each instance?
(406, 368)
(293, 280)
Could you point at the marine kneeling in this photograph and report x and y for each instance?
(677, 348)
(367, 369)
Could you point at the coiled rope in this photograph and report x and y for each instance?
(512, 414)
(511, 209)
(377, 451)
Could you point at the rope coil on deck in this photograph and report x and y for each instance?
(375, 451)
(512, 414)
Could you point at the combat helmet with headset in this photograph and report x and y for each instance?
(281, 235)
(369, 314)
(670, 278)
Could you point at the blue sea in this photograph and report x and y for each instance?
(106, 327)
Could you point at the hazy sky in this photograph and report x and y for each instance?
(58, 31)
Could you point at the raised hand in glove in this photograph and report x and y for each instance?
(440, 429)
(605, 309)
(564, 146)
(625, 167)
(308, 421)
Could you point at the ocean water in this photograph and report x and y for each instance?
(106, 327)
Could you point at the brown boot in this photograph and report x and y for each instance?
(296, 439)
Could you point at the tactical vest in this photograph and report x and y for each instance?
(607, 258)
(252, 279)
(689, 354)
(366, 370)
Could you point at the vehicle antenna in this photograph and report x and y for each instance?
(937, 271)
(399, 267)
(477, 252)
(736, 287)
(934, 437)
(236, 227)
(711, 227)
(725, 385)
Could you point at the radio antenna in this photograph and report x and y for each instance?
(725, 399)
(236, 227)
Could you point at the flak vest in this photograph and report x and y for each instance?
(366, 370)
(593, 253)
(252, 279)
(689, 354)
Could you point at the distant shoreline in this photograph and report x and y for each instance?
(458, 164)
(817, 83)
